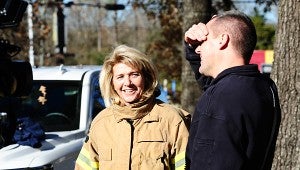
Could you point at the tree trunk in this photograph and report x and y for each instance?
(286, 74)
(195, 11)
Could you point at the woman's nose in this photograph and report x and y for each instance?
(127, 81)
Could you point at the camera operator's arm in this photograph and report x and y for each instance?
(13, 75)
(194, 36)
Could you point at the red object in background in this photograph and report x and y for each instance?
(258, 58)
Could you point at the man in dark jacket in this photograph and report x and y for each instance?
(236, 121)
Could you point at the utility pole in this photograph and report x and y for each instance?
(61, 27)
(99, 31)
(30, 34)
(61, 20)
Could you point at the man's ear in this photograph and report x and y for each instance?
(223, 41)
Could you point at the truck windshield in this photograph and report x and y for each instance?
(54, 104)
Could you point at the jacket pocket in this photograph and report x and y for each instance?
(203, 151)
(151, 136)
(153, 147)
(154, 162)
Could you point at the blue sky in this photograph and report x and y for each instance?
(271, 17)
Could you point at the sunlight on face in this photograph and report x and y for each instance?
(207, 51)
(128, 83)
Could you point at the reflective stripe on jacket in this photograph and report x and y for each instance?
(156, 141)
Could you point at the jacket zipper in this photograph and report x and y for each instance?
(131, 142)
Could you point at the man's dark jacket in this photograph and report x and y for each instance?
(236, 120)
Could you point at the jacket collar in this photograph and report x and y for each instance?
(244, 70)
(146, 118)
(136, 112)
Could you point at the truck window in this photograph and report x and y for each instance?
(54, 104)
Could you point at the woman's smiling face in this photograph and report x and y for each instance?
(128, 82)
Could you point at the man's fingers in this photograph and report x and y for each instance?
(202, 32)
(196, 34)
(202, 27)
(190, 34)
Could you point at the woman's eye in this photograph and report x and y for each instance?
(119, 77)
(136, 74)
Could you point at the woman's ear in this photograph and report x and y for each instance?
(223, 41)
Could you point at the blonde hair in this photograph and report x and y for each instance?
(133, 58)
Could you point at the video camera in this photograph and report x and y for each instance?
(15, 76)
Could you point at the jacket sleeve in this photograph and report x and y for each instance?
(88, 157)
(181, 137)
(194, 60)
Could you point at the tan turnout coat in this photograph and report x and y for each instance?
(156, 141)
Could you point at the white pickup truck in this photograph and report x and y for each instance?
(64, 100)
